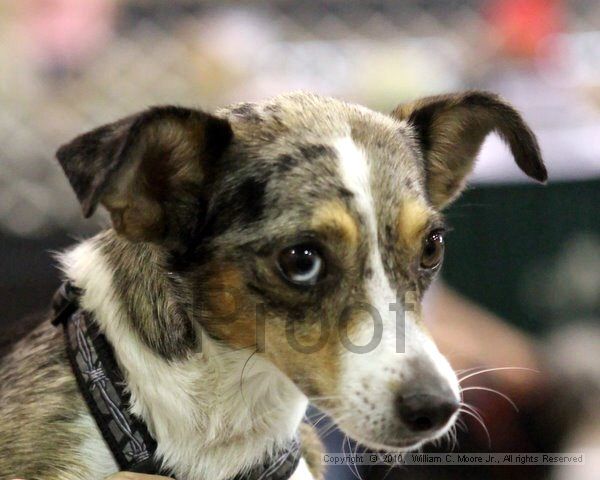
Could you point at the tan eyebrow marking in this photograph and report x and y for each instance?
(334, 215)
(414, 217)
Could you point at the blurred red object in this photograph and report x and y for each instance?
(523, 24)
(66, 32)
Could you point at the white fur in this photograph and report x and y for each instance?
(98, 461)
(402, 344)
(302, 472)
(206, 425)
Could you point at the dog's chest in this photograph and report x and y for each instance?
(212, 414)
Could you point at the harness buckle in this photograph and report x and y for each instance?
(64, 302)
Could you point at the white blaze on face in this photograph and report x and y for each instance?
(379, 372)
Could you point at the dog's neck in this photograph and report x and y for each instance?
(208, 419)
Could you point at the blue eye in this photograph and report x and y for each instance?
(301, 264)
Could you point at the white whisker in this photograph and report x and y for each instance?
(481, 422)
(467, 370)
(486, 389)
(495, 370)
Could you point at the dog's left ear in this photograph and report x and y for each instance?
(451, 129)
(149, 170)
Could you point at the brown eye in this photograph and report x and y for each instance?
(301, 264)
(433, 250)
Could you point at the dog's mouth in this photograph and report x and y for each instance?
(396, 446)
(399, 444)
(393, 439)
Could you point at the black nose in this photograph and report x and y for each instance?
(422, 412)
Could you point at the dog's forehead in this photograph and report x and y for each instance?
(307, 117)
(311, 134)
(296, 152)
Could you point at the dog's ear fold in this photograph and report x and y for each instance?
(148, 169)
(451, 129)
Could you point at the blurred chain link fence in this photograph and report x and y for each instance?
(68, 66)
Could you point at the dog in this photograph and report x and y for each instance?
(260, 257)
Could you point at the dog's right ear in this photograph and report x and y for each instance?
(148, 169)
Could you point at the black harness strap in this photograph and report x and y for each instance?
(102, 384)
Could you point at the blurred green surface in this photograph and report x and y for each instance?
(528, 253)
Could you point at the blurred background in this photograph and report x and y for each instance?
(521, 283)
